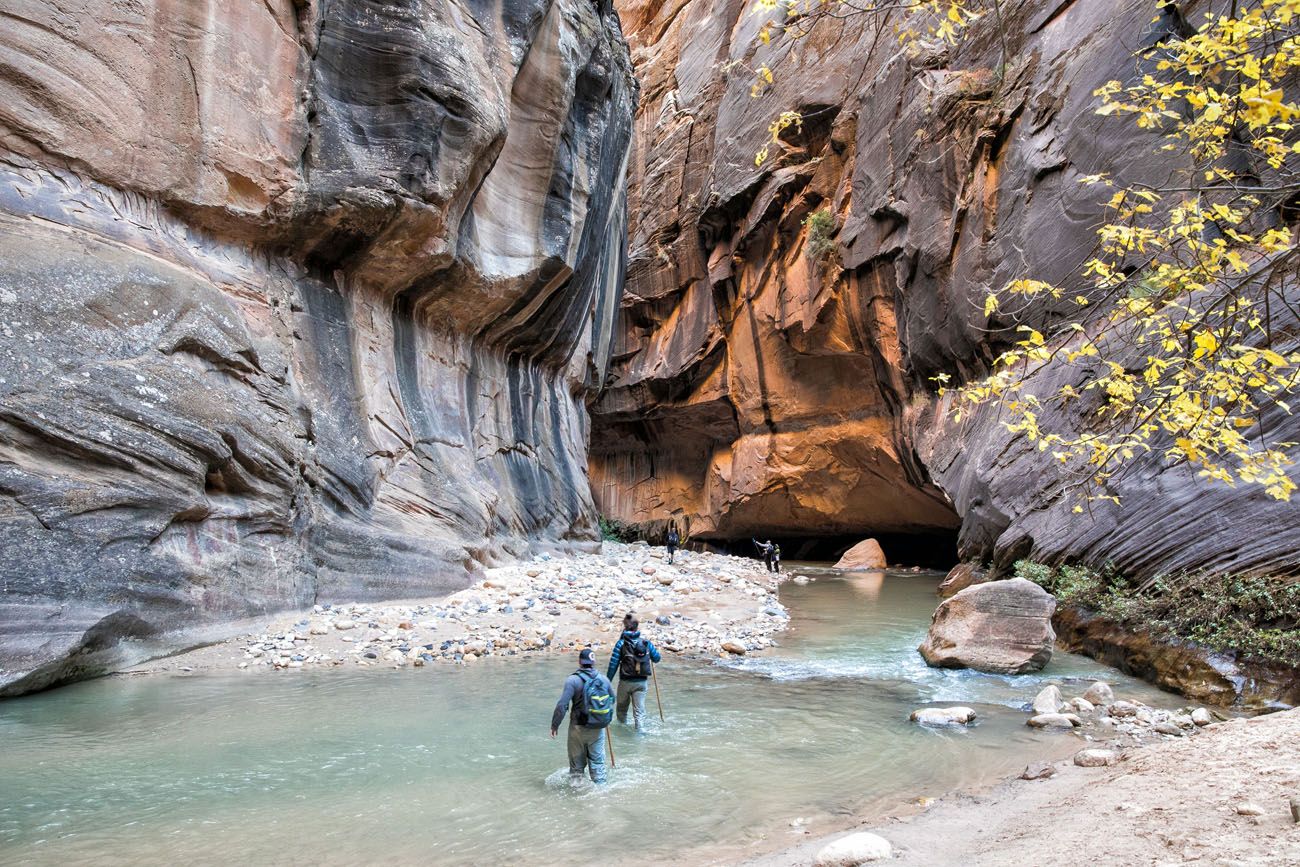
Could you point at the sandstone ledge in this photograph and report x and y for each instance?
(1223, 679)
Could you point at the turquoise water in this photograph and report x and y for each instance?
(455, 766)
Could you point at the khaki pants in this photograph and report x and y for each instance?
(587, 752)
(631, 691)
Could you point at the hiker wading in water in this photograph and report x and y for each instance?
(591, 699)
(633, 658)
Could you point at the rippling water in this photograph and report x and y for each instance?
(455, 766)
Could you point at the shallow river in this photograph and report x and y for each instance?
(454, 765)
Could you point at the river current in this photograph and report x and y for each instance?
(455, 766)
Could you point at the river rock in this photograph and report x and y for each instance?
(1246, 808)
(1082, 705)
(1099, 693)
(867, 554)
(1123, 709)
(1054, 721)
(1094, 758)
(1048, 700)
(1167, 728)
(860, 848)
(734, 647)
(344, 625)
(942, 716)
(960, 577)
(1201, 717)
(1038, 771)
(1003, 627)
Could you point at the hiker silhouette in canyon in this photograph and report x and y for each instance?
(589, 699)
(634, 658)
(673, 540)
(766, 550)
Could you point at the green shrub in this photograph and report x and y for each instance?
(616, 531)
(1258, 617)
(821, 232)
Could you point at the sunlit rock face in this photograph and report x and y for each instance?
(758, 387)
(300, 301)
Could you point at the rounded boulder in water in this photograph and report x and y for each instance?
(860, 848)
(943, 716)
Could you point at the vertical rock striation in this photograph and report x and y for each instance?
(300, 301)
(763, 383)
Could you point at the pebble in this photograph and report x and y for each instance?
(1038, 771)
(1054, 721)
(1202, 717)
(1248, 809)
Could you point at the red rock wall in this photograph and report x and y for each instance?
(756, 391)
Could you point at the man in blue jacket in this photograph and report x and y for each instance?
(633, 658)
(586, 742)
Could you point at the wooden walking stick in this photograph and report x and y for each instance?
(654, 675)
(609, 742)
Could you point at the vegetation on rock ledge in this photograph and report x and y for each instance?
(1257, 617)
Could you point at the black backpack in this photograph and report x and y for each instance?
(595, 706)
(635, 661)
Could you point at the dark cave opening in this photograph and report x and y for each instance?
(930, 549)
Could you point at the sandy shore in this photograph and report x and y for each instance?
(1220, 798)
(703, 604)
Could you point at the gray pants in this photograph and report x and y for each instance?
(587, 752)
(631, 691)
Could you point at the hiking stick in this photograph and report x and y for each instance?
(609, 742)
(654, 675)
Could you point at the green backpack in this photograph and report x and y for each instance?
(597, 707)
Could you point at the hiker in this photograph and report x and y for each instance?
(673, 539)
(765, 552)
(633, 658)
(776, 558)
(591, 699)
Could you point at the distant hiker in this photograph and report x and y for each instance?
(765, 552)
(591, 698)
(633, 658)
(673, 540)
(775, 559)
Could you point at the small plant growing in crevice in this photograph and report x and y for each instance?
(821, 230)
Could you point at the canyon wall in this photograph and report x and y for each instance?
(301, 301)
(763, 383)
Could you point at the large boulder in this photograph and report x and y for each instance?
(943, 716)
(867, 554)
(1003, 627)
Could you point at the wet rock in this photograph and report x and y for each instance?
(960, 577)
(663, 620)
(860, 848)
(1094, 758)
(1003, 627)
(734, 647)
(867, 554)
(1167, 728)
(1202, 717)
(1054, 721)
(1099, 693)
(1122, 709)
(943, 716)
(1082, 705)
(1048, 700)
(1038, 771)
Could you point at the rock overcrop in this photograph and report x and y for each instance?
(711, 604)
